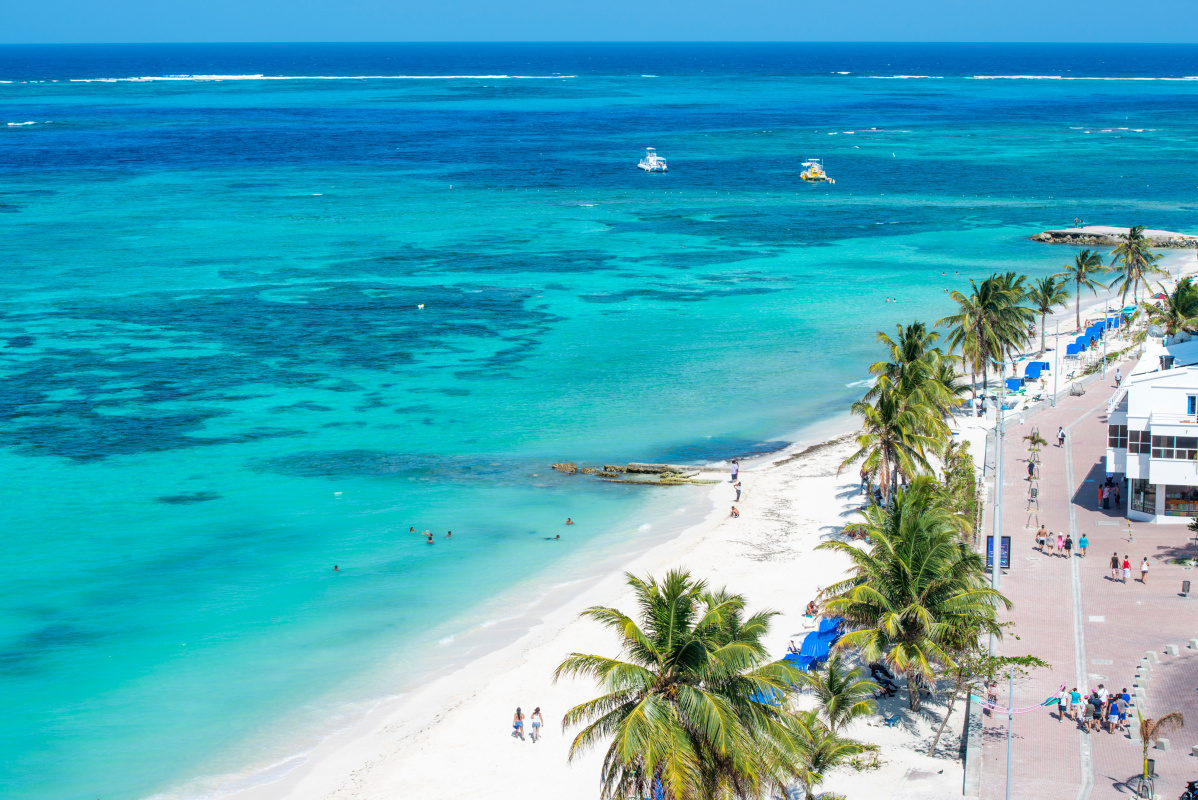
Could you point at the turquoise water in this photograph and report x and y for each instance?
(217, 382)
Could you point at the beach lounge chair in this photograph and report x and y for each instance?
(891, 721)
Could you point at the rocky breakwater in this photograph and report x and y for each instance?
(644, 474)
(1105, 235)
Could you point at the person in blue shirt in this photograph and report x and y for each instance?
(1082, 544)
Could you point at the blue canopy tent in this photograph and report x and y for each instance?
(1072, 349)
(1014, 384)
(1033, 370)
(1082, 343)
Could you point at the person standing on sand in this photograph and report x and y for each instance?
(735, 470)
(1144, 571)
(736, 486)
(518, 724)
(864, 480)
(537, 722)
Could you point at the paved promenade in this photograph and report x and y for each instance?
(1090, 628)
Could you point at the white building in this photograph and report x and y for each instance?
(1153, 434)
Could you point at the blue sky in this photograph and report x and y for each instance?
(31, 21)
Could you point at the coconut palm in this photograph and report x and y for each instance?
(915, 584)
(990, 323)
(1179, 309)
(895, 437)
(918, 370)
(842, 693)
(1136, 262)
(820, 750)
(1158, 728)
(1045, 295)
(693, 708)
(1086, 265)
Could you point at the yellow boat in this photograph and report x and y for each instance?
(815, 172)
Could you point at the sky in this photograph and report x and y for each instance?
(69, 21)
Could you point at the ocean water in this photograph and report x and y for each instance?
(216, 380)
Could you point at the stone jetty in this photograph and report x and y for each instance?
(1110, 236)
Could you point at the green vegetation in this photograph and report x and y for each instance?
(1158, 728)
(916, 583)
(990, 323)
(1045, 295)
(960, 487)
(1179, 309)
(697, 707)
(1086, 266)
(1136, 262)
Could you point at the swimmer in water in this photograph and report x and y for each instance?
(412, 529)
(430, 537)
(335, 568)
(553, 538)
(569, 521)
(449, 535)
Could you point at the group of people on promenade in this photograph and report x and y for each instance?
(1059, 543)
(1121, 570)
(1094, 708)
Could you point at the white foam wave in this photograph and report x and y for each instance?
(866, 382)
(906, 77)
(648, 76)
(20, 124)
(645, 527)
(152, 78)
(1071, 78)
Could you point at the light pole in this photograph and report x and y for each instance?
(1105, 315)
(1056, 362)
(996, 539)
(1010, 723)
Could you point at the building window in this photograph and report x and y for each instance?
(1181, 501)
(1143, 496)
(1178, 448)
(1162, 446)
(1116, 435)
(1138, 442)
(1192, 405)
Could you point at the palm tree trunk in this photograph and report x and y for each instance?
(952, 701)
(1041, 334)
(913, 699)
(1077, 303)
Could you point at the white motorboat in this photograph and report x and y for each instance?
(652, 162)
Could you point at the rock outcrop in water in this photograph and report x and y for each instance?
(1110, 236)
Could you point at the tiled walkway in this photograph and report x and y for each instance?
(1090, 628)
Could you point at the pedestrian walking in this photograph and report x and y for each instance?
(1144, 571)
(864, 481)
(1060, 437)
(1062, 703)
(1115, 571)
(1118, 378)
(1050, 542)
(1075, 702)
(518, 724)
(1061, 543)
(537, 721)
(1041, 535)
(1082, 544)
(1031, 470)
(1068, 547)
(1126, 569)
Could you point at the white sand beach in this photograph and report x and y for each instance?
(451, 737)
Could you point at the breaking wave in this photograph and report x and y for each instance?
(153, 78)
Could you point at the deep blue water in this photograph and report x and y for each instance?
(217, 382)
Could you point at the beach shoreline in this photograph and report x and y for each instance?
(363, 758)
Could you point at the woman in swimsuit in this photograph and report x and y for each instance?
(518, 724)
(536, 721)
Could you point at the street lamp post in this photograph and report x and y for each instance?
(996, 539)
(1056, 362)
(1010, 724)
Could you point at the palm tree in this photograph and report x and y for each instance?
(894, 437)
(820, 750)
(842, 693)
(694, 707)
(1086, 265)
(1179, 309)
(1045, 295)
(1137, 262)
(917, 370)
(915, 584)
(1153, 729)
(990, 323)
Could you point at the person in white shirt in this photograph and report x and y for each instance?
(1060, 437)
